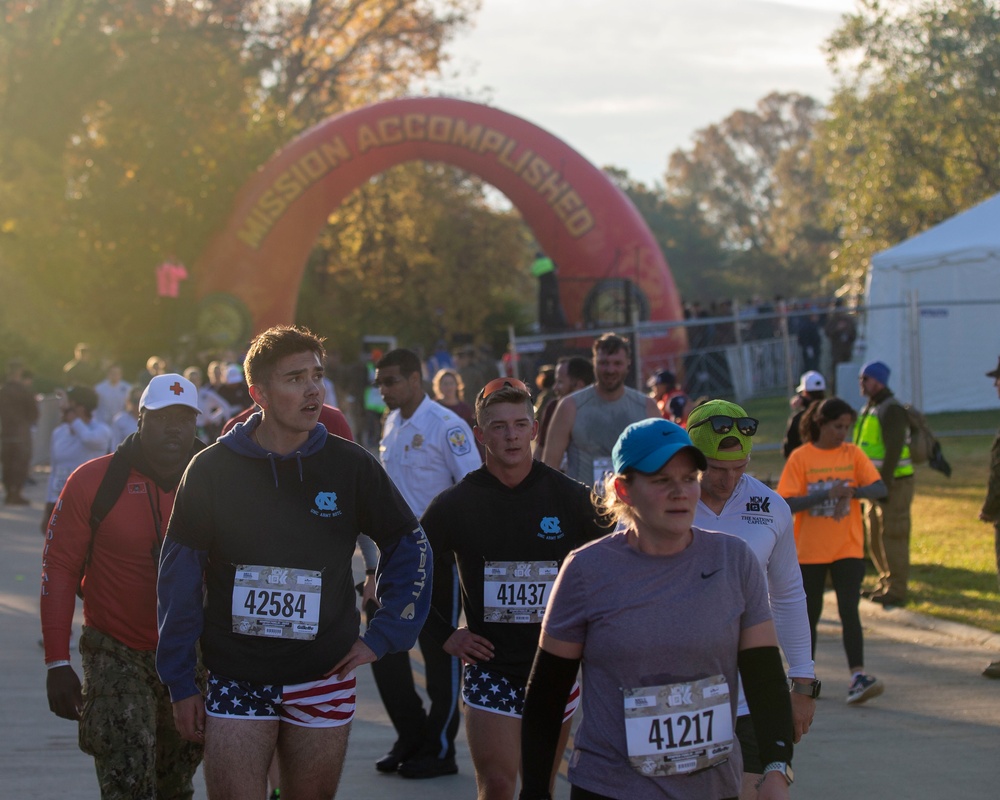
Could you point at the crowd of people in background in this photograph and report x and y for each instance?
(812, 324)
(455, 428)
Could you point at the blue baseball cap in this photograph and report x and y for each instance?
(647, 445)
(878, 370)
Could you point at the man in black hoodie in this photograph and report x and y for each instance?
(256, 566)
(528, 517)
(882, 431)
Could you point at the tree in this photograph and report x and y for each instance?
(127, 126)
(913, 131)
(692, 248)
(750, 177)
(332, 54)
(418, 252)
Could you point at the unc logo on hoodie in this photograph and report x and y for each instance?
(550, 529)
(326, 505)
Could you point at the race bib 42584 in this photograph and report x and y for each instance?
(278, 602)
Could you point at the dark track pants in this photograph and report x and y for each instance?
(435, 729)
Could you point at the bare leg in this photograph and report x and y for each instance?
(273, 776)
(311, 760)
(495, 746)
(237, 754)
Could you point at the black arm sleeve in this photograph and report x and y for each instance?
(766, 690)
(548, 689)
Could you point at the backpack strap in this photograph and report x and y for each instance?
(111, 488)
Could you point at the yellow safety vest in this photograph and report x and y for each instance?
(868, 436)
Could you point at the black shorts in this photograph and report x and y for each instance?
(748, 744)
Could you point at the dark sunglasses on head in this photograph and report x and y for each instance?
(723, 424)
(499, 383)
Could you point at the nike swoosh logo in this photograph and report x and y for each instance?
(710, 574)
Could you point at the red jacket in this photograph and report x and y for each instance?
(120, 586)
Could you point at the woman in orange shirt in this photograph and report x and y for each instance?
(823, 483)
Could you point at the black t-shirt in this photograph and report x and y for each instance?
(480, 520)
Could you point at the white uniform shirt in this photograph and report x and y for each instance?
(427, 453)
(122, 426)
(760, 516)
(111, 399)
(73, 444)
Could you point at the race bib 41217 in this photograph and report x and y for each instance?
(680, 727)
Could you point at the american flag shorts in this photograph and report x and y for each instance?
(490, 691)
(326, 703)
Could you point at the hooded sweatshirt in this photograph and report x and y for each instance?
(271, 539)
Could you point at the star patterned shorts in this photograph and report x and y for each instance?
(489, 691)
(326, 703)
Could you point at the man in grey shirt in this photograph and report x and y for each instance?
(587, 423)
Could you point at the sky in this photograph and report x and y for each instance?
(627, 82)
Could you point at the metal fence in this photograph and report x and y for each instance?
(753, 353)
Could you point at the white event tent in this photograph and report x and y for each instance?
(934, 312)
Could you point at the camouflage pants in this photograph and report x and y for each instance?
(127, 725)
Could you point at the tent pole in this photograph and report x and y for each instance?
(916, 379)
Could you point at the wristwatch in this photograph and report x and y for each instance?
(810, 689)
(783, 767)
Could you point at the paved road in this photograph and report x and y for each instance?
(933, 734)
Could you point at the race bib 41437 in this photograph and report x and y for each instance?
(517, 591)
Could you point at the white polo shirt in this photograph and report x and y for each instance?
(427, 453)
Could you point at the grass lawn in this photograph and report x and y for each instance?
(953, 573)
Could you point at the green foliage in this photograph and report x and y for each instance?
(698, 262)
(912, 134)
(419, 253)
(751, 178)
(127, 126)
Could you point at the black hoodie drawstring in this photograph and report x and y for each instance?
(274, 468)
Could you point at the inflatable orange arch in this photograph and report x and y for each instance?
(250, 273)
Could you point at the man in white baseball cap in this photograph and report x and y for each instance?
(103, 540)
(812, 387)
(811, 381)
(169, 390)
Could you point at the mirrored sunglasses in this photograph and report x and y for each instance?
(499, 383)
(723, 424)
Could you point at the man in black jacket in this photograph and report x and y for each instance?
(528, 517)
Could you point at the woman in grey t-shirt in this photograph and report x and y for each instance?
(662, 616)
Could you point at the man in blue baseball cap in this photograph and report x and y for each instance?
(881, 431)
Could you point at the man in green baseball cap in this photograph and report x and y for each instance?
(740, 505)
